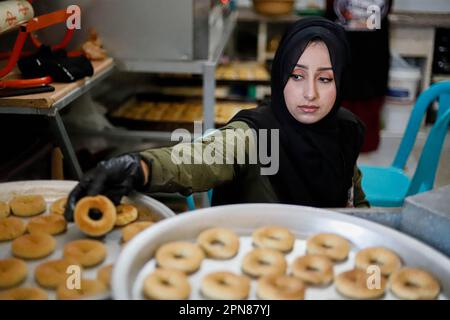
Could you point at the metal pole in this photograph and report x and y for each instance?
(209, 103)
(60, 132)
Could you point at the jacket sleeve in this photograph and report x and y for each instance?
(202, 164)
(359, 197)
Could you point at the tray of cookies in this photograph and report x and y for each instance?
(44, 257)
(274, 251)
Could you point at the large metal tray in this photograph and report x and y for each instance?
(135, 261)
(51, 190)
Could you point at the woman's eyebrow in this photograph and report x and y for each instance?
(319, 69)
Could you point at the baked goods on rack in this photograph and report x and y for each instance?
(93, 47)
(178, 112)
(242, 71)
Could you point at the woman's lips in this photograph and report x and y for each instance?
(308, 109)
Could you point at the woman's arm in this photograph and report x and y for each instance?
(155, 170)
(168, 176)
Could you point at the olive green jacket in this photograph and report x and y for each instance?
(170, 174)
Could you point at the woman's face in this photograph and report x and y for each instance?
(310, 92)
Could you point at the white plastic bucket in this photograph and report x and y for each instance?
(403, 85)
(395, 117)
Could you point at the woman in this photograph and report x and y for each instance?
(319, 142)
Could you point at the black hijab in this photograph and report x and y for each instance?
(316, 161)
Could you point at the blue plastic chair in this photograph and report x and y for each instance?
(388, 186)
(191, 203)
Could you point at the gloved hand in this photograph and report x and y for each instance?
(113, 178)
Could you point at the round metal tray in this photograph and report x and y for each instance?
(135, 261)
(51, 190)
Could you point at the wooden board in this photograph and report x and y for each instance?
(48, 99)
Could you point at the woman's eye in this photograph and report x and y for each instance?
(325, 80)
(296, 76)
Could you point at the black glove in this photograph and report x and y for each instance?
(113, 178)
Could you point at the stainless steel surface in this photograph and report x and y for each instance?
(53, 190)
(186, 66)
(201, 29)
(135, 29)
(139, 32)
(209, 100)
(244, 219)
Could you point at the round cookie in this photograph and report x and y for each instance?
(12, 272)
(219, 243)
(89, 288)
(33, 246)
(51, 224)
(24, 294)
(11, 228)
(86, 252)
(225, 286)
(28, 205)
(166, 284)
(134, 228)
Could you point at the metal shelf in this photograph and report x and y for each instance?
(440, 77)
(249, 15)
(51, 103)
(206, 68)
